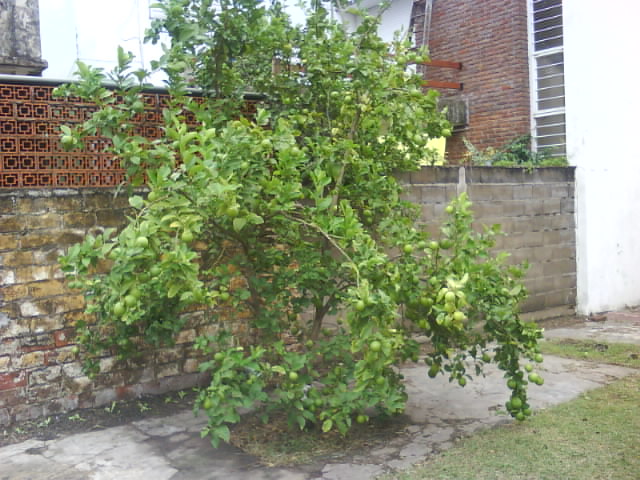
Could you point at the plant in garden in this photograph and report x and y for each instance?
(286, 218)
(516, 153)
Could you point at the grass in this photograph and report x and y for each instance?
(593, 437)
(624, 354)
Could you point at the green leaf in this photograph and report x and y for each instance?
(239, 223)
(327, 425)
(323, 203)
(262, 118)
(136, 202)
(173, 290)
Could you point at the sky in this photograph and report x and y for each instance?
(91, 30)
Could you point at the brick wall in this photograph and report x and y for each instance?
(489, 38)
(40, 375)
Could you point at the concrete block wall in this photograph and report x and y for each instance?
(537, 214)
(39, 373)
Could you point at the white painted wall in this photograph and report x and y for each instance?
(603, 108)
(91, 30)
(395, 18)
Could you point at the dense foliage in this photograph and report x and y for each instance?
(293, 218)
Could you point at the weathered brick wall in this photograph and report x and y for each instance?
(489, 38)
(536, 212)
(40, 375)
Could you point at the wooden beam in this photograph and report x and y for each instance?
(439, 84)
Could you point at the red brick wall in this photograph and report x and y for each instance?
(489, 37)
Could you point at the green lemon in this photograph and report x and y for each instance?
(233, 211)
(142, 242)
(130, 300)
(118, 309)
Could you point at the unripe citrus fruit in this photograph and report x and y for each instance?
(459, 316)
(142, 242)
(118, 309)
(233, 211)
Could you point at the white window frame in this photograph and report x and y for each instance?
(533, 79)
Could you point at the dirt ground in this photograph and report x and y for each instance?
(88, 419)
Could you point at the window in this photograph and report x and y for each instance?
(547, 76)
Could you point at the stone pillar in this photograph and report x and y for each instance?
(20, 52)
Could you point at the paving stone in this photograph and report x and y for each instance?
(439, 412)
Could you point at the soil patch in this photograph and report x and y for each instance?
(89, 419)
(276, 444)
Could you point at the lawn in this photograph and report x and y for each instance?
(596, 436)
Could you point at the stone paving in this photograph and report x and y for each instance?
(439, 413)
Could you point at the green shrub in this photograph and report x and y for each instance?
(290, 216)
(516, 153)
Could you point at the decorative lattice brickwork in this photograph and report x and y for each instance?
(31, 155)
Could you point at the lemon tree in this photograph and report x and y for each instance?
(291, 215)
